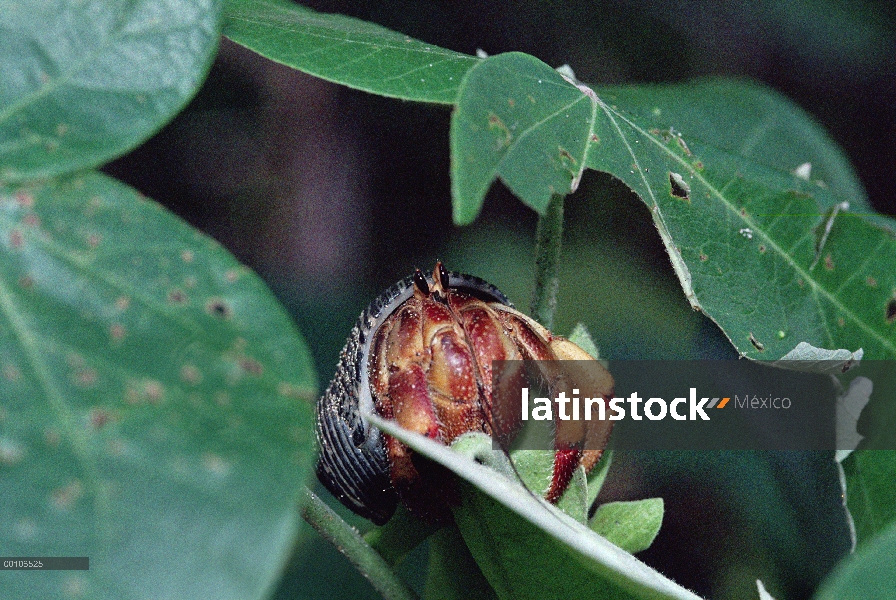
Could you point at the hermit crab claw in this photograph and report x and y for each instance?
(422, 354)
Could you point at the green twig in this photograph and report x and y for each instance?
(547, 255)
(347, 540)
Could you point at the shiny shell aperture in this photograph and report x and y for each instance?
(422, 354)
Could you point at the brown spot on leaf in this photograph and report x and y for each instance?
(11, 372)
(232, 275)
(761, 248)
(16, 240)
(93, 240)
(117, 331)
(511, 102)
(65, 497)
(177, 296)
(85, 377)
(703, 257)
(841, 322)
(251, 366)
(122, 302)
(871, 281)
(828, 262)
(218, 308)
(24, 199)
(99, 418)
(154, 390)
(684, 146)
(31, 220)
(187, 256)
(26, 282)
(595, 139)
(190, 374)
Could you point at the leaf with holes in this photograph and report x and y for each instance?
(84, 82)
(772, 255)
(349, 51)
(154, 401)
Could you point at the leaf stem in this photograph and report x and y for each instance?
(547, 254)
(349, 542)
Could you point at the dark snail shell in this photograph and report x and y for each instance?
(353, 465)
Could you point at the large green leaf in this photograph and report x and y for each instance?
(870, 497)
(155, 409)
(527, 548)
(349, 51)
(774, 257)
(84, 82)
(868, 574)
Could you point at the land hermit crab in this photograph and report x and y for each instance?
(422, 354)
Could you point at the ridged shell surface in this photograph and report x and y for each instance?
(353, 463)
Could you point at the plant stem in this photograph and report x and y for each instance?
(347, 540)
(547, 255)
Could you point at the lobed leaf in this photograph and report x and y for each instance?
(775, 258)
(348, 51)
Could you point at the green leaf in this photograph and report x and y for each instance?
(630, 525)
(155, 401)
(867, 574)
(520, 120)
(774, 258)
(527, 548)
(869, 491)
(746, 119)
(598, 475)
(452, 572)
(583, 340)
(348, 51)
(84, 82)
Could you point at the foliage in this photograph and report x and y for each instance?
(156, 400)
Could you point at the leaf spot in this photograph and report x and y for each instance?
(761, 248)
(218, 308)
(251, 366)
(190, 374)
(122, 302)
(495, 122)
(680, 187)
(16, 240)
(187, 256)
(871, 281)
(65, 497)
(828, 262)
(176, 296)
(117, 332)
(703, 257)
(11, 373)
(85, 377)
(93, 240)
(24, 199)
(99, 418)
(756, 343)
(891, 310)
(26, 282)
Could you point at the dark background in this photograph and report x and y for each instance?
(332, 195)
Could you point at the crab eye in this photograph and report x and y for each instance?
(420, 282)
(443, 275)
